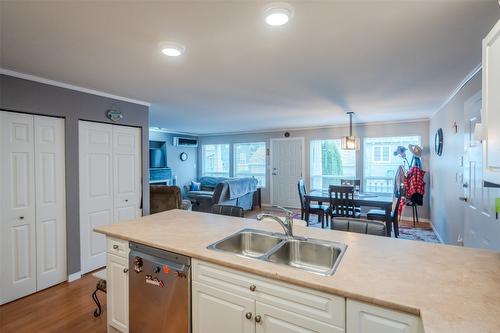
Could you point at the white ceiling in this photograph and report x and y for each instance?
(384, 60)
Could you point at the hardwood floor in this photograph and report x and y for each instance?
(67, 307)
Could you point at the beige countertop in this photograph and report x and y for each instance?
(453, 289)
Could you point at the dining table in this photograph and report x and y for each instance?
(383, 202)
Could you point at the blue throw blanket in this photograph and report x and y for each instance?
(238, 187)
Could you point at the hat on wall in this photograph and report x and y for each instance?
(416, 150)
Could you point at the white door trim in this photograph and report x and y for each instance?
(271, 141)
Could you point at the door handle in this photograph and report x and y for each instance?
(258, 318)
(125, 270)
(464, 199)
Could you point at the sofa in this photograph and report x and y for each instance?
(222, 191)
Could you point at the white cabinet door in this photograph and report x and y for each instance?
(96, 191)
(117, 292)
(17, 200)
(270, 319)
(50, 201)
(127, 172)
(491, 104)
(217, 311)
(365, 318)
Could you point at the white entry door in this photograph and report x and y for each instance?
(287, 167)
(481, 230)
(17, 200)
(110, 184)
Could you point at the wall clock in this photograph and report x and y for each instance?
(183, 156)
(438, 142)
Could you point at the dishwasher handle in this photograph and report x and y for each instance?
(183, 268)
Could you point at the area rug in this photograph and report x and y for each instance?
(419, 234)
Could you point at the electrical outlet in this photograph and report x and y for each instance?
(460, 239)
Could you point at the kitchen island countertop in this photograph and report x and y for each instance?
(453, 289)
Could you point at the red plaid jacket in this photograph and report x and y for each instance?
(415, 185)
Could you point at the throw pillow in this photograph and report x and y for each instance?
(195, 186)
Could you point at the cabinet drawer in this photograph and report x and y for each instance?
(310, 303)
(117, 247)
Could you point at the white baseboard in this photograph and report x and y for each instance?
(74, 276)
(437, 233)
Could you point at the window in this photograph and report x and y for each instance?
(250, 161)
(330, 164)
(381, 154)
(380, 164)
(215, 160)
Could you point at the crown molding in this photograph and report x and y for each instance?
(170, 131)
(306, 128)
(70, 86)
(467, 78)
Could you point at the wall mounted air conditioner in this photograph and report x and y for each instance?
(185, 142)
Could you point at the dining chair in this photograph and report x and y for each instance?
(357, 187)
(306, 208)
(228, 210)
(341, 203)
(361, 226)
(379, 214)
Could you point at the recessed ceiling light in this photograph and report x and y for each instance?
(172, 49)
(278, 13)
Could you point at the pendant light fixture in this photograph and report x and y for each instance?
(350, 142)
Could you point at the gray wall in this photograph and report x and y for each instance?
(37, 98)
(185, 171)
(420, 128)
(447, 211)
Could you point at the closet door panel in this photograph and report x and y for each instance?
(127, 172)
(50, 201)
(17, 202)
(96, 191)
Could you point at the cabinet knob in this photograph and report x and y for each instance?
(125, 270)
(258, 318)
(126, 200)
(248, 315)
(21, 217)
(253, 287)
(115, 247)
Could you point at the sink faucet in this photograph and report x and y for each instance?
(287, 225)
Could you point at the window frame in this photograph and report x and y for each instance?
(236, 158)
(338, 142)
(367, 160)
(203, 164)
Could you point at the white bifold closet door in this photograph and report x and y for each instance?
(33, 204)
(110, 184)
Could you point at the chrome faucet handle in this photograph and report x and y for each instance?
(288, 212)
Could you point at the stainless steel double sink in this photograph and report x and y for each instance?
(312, 255)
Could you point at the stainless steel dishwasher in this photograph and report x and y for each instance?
(159, 290)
